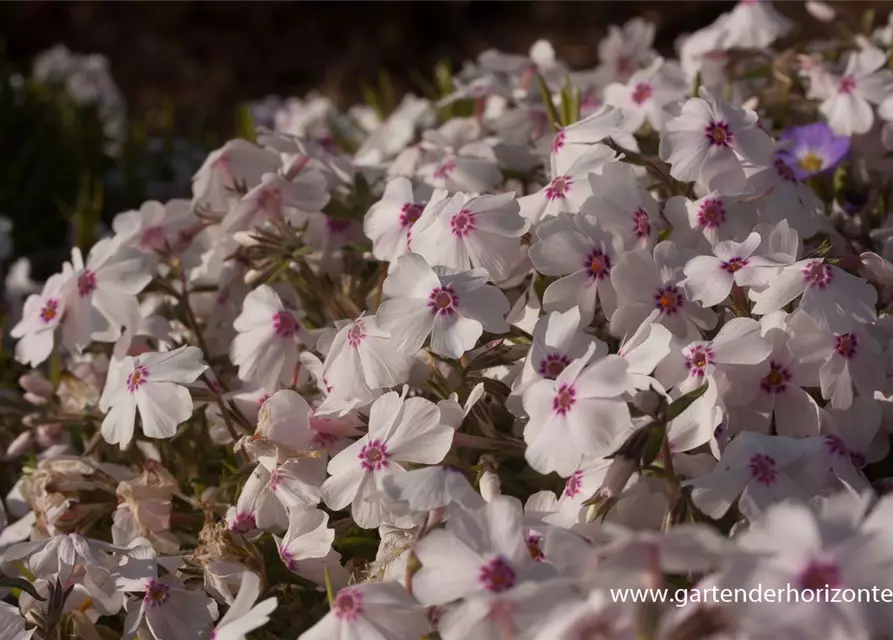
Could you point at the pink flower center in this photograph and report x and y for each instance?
(733, 265)
(288, 559)
(137, 378)
(243, 523)
(641, 223)
(762, 469)
(574, 484)
(558, 141)
(323, 441)
(784, 171)
(836, 446)
(152, 238)
(336, 225)
(776, 381)
(284, 324)
(86, 283)
(49, 311)
(719, 134)
(535, 547)
(445, 170)
(641, 93)
(275, 479)
(711, 214)
(348, 604)
(462, 223)
(598, 263)
(443, 301)
(356, 334)
(409, 213)
(817, 275)
(559, 187)
(156, 593)
(497, 575)
(847, 85)
(564, 399)
(552, 365)
(697, 360)
(624, 66)
(846, 344)
(819, 575)
(374, 456)
(669, 299)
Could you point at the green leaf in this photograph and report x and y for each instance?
(245, 127)
(652, 446)
(371, 99)
(697, 91)
(551, 112)
(330, 593)
(22, 585)
(678, 406)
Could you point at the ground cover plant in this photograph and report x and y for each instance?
(464, 364)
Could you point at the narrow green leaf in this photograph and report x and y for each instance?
(678, 406)
(371, 99)
(330, 594)
(245, 127)
(551, 112)
(652, 445)
(21, 584)
(697, 91)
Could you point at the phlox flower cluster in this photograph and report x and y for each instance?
(458, 368)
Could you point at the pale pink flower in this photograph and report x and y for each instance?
(362, 359)
(850, 361)
(278, 199)
(103, 298)
(755, 469)
(709, 220)
(754, 24)
(645, 282)
(472, 231)
(229, 172)
(779, 394)
(578, 414)
(863, 82)
(709, 141)
(306, 548)
(401, 430)
(157, 227)
(480, 551)
(245, 614)
(710, 279)
(152, 383)
(578, 248)
(380, 610)
(388, 223)
(643, 97)
(41, 316)
(623, 206)
(625, 50)
(453, 307)
(833, 298)
(266, 346)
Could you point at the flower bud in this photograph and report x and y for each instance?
(821, 11)
(490, 485)
(34, 383)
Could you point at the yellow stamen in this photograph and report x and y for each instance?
(811, 162)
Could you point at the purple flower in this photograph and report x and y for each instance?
(812, 149)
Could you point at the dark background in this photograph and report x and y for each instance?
(208, 56)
